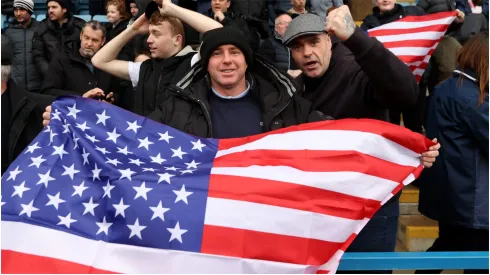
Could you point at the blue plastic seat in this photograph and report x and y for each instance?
(101, 18)
(85, 17)
(84, 12)
(4, 21)
(40, 17)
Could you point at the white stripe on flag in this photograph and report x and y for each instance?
(349, 183)
(413, 25)
(336, 140)
(410, 36)
(418, 63)
(277, 220)
(41, 241)
(420, 51)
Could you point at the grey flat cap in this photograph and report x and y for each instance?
(308, 23)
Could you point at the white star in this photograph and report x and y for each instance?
(133, 126)
(48, 129)
(113, 135)
(55, 200)
(158, 211)
(178, 152)
(136, 161)
(2, 202)
(101, 118)
(114, 162)
(20, 189)
(92, 138)
(176, 233)
(73, 111)
(70, 171)
(197, 145)
(124, 151)
(79, 189)
(107, 189)
(75, 140)
(192, 164)
(37, 161)
(126, 174)
(145, 143)
(31, 148)
(59, 150)
(103, 227)
(165, 137)
(157, 159)
(136, 229)
(142, 191)
(171, 168)
(182, 195)
(120, 208)
(96, 173)
(13, 174)
(51, 136)
(148, 169)
(83, 126)
(66, 127)
(165, 177)
(45, 179)
(85, 156)
(28, 209)
(66, 221)
(102, 150)
(188, 171)
(55, 115)
(90, 207)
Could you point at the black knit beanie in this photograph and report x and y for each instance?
(221, 36)
(65, 4)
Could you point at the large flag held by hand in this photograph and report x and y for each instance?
(104, 190)
(414, 38)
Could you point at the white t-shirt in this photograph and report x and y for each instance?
(134, 69)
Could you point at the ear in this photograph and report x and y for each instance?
(81, 35)
(178, 40)
(228, 3)
(103, 42)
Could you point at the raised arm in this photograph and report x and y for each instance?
(197, 21)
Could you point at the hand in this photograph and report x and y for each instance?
(459, 17)
(219, 16)
(141, 25)
(165, 7)
(428, 158)
(94, 93)
(109, 98)
(47, 116)
(294, 73)
(339, 22)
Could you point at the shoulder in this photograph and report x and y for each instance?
(78, 22)
(370, 22)
(42, 27)
(413, 10)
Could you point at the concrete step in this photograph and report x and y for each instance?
(416, 232)
(409, 201)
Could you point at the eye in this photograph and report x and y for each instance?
(216, 53)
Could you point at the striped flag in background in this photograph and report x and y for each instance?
(414, 38)
(105, 190)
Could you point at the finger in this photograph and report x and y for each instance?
(428, 159)
(427, 165)
(48, 108)
(45, 123)
(435, 147)
(111, 94)
(46, 115)
(430, 154)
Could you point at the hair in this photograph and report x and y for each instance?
(474, 55)
(279, 15)
(6, 70)
(121, 8)
(177, 27)
(96, 26)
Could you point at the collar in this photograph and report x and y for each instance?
(233, 97)
(468, 73)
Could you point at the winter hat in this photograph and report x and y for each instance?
(221, 36)
(28, 5)
(6, 51)
(65, 4)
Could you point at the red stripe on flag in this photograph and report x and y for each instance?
(429, 17)
(424, 43)
(292, 196)
(16, 262)
(430, 28)
(249, 244)
(422, 65)
(318, 161)
(414, 58)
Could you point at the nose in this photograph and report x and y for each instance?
(307, 51)
(226, 58)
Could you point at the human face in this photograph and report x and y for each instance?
(312, 54)
(91, 41)
(113, 15)
(226, 68)
(55, 11)
(385, 5)
(134, 9)
(298, 4)
(21, 15)
(220, 5)
(162, 42)
(282, 23)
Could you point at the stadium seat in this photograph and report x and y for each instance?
(101, 18)
(4, 21)
(85, 17)
(40, 17)
(84, 12)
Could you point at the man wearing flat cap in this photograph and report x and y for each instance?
(350, 75)
(21, 111)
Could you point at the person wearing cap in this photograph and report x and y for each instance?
(20, 33)
(57, 33)
(170, 57)
(350, 75)
(21, 110)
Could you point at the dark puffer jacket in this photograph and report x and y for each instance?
(435, 6)
(49, 40)
(8, 7)
(273, 50)
(24, 71)
(377, 19)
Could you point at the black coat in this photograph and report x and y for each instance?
(24, 71)
(69, 74)
(187, 107)
(435, 6)
(49, 40)
(127, 53)
(377, 19)
(24, 123)
(273, 50)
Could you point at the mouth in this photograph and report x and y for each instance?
(310, 65)
(227, 71)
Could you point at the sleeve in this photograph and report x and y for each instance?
(55, 80)
(337, 3)
(387, 80)
(38, 54)
(134, 72)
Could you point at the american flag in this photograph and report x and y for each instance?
(414, 38)
(104, 190)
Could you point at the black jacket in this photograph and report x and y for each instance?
(69, 74)
(273, 50)
(8, 7)
(49, 40)
(127, 53)
(377, 19)
(23, 121)
(435, 6)
(186, 106)
(24, 71)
